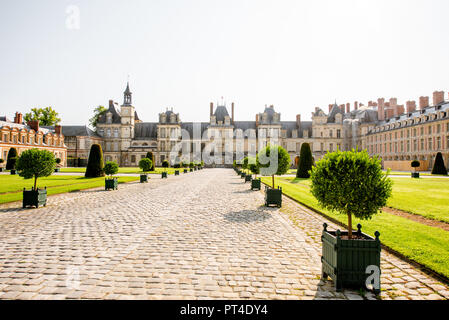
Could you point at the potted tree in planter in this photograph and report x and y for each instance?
(350, 183)
(110, 168)
(254, 168)
(247, 176)
(58, 161)
(185, 165)
(145, 164)
(1, 162)
(165, 165)
(191, 165)
(177, 166)
(273, 160)
(415, 164)
(11, 160)
(35, 163)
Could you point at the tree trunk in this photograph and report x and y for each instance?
(350, 226)
(35, 182)
(272, 177)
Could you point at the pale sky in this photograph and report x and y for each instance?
(293, 54)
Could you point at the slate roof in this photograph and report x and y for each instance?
(220, 113)
(145, 130)
(78, 131)
(116, 117)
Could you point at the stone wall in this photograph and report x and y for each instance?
(405, 165)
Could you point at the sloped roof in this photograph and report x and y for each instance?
(220, 113)
(145, 130)
(335, 110)
(116, 117)
(78, 131)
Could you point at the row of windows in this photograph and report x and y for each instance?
(428, 144)
(436, 129)
(28, 139)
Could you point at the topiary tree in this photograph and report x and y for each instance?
(305, 162)
(202, 163)
(253, 166)
(11, 159)
(415, 164)
(273, 160)
(1, 161)
(145, 164)
(111, 168)
(58, 161)
(245, 163)
(439, 167)
(95, 162)
(150, 156)
(191, 165)
(185, 165)
(165, 164)
(351, 183)
(36, 163)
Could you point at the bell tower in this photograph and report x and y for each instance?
(127, 113)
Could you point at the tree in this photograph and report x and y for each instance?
(46, 116)
(145, 164)
(273, 160)
(98, 112)
(351, 183)
(95, 164)
(415, 164)
(11, 159)
(150, 156)
(36, 163)
(111, 168)
(165, 164)
(439, 167)
(245, 163)
(305, 162)
(253, 166)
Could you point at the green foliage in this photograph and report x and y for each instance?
(415, 164)
(165, 164)
(150, 156)
(58, 160)
(253, 166)
(145, 164)
(185, 164)
(305, 161)
(191, 165)
(46, 116)
(351, 183)
(95, 162)
(245, 163)
(1, 161)
(438, 167)
(98, 111)
(202, 163)
(111, 168)
(11, 159)
(273, 160)
(36, 163)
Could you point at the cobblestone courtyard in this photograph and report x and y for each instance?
(201, 235)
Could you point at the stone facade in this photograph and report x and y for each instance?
(376, 127)
(16, 134)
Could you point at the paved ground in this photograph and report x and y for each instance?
(197, 236)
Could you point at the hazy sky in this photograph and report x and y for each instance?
(184, 54)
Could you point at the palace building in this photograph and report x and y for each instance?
(396, 133)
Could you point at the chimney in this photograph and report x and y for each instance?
(348, 107)
(438, 97)
(356, 105)
(34, 124)
(298, 121)
(211, 109)
(423, 102)
(390, 113)
(398, 110)
(58, 129)
(393, 102)
(257, 120)
(18, 118)
(411, 106)
(232, 111)
(381, 109)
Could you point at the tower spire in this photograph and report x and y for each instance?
(127, 95)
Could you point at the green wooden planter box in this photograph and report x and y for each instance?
(57, 170)
(34, 198)
(111, 184)
(346, 261)
(248, 178)
(273, 196)
(143, 178)
(13, 171)
(242, 175)
(415, 174)
(185, 170)
(176, 172)
(191, 169)
(164, 175)
(1, 169)
(255, 184)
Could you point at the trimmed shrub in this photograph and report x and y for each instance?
(11, 159)
(165, 164)
(305, 162)
(253, 166)
(439, 167)
(36, 163)
(415, 164)
(273, 160)
(145, 164)
(1, 161)
(111, 168)
(95, 162)
(191, 165)
(351, 183)
(150, 156)
(245, 163)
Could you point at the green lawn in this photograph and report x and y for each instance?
(424, 244)
(123, 170)
(11, 186)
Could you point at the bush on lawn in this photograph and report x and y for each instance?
(36, 163)
(305, 162)
(145, 164)
(351, 183)
(111, 168)
(95, 162)
(273, 160)
(415, 164)
(11, 159)
(438, 167)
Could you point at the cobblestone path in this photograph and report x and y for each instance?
(200, 235)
